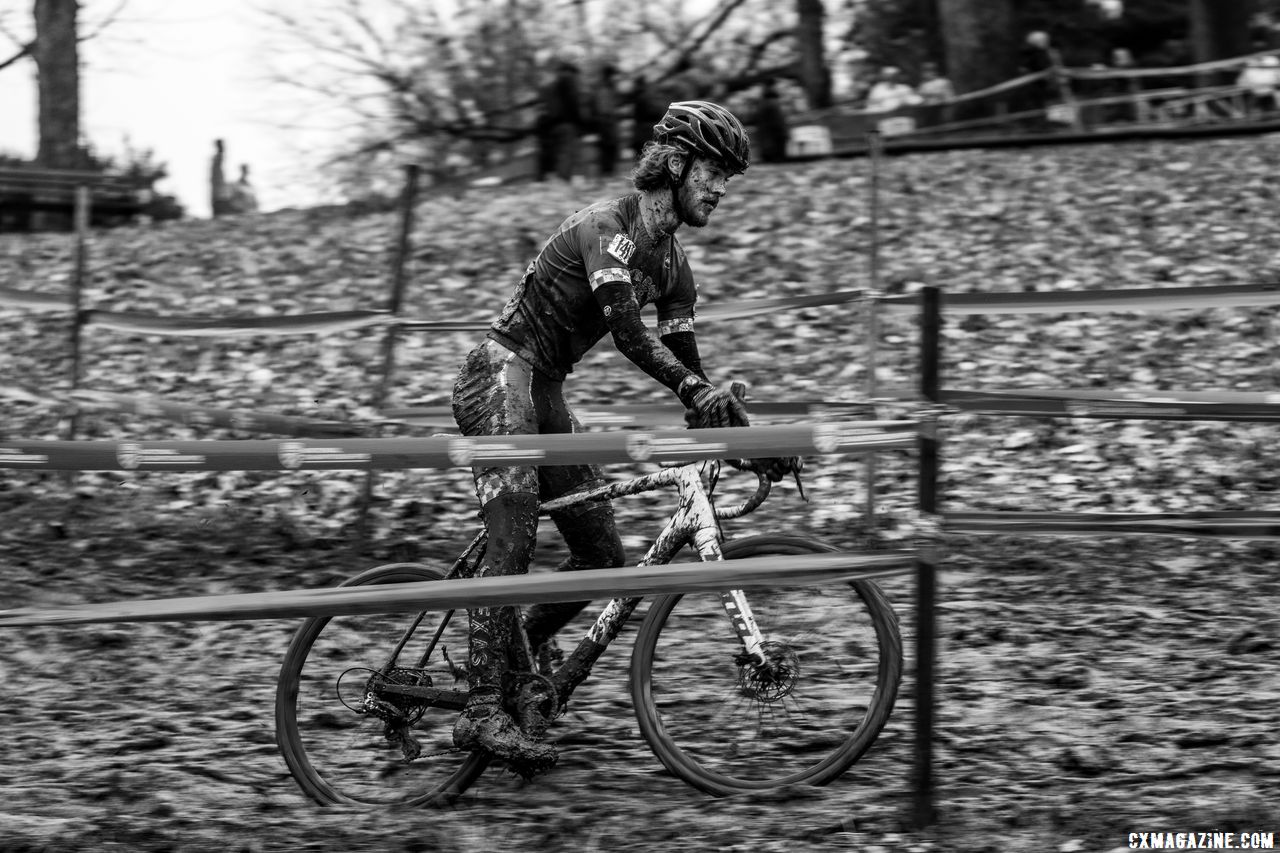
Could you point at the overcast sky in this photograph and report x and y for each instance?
(174, 76)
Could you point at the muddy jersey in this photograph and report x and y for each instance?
(554, 318)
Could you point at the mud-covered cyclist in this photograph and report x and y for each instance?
(590, 279)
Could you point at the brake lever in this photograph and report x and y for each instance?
(800, 486)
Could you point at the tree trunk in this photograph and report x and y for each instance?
(1220, 30)
(981, 45)
(812, 65)
(56, 53)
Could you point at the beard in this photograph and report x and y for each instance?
(696, 209)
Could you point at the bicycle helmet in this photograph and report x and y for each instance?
(708, 129)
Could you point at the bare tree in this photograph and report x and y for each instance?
(56, 51)
(1220, 30)
(980, 42)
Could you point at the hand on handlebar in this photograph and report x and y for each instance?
(709, 407)
(774, 467)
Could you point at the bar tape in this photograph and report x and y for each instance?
(670, 446)
(1130, 299)
(713, 576)
(1154, 405)
(1237, 525)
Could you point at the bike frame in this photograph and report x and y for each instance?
(694, 522)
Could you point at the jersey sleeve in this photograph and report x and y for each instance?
(676, 303)
(606, 253)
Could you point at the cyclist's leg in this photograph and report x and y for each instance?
(493, 396)
(588, 529)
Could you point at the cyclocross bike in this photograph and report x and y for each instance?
(734, 692)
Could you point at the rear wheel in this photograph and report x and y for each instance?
(347, 720)
(728, 725)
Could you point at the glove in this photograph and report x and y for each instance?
(709, 407)
(778, 467)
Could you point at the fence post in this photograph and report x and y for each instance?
(82, 209)
(873, 320)
(923, 812)
(395, 302)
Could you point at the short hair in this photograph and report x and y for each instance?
(651, 171)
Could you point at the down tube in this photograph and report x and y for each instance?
(577, 666)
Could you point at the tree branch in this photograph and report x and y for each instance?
(22, 53)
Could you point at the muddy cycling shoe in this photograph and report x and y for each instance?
(485, 726)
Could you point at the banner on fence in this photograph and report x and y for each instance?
(483, 592)
(1131, 299)
(1230, 525)
(1150, 405)
(669, 446)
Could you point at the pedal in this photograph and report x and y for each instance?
(535, 705)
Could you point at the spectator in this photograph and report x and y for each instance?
(243, 197)
(560, 124)
(771, 125)
(646, 111)
(1260, 79)
(890, 93)
(605, 119)
(934, 88)
(219, 192)
(1038, 57)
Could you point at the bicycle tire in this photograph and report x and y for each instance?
(341, 757)
(715, 731)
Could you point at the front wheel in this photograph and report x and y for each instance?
(728, 725)
(353, 705)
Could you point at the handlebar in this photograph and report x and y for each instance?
(754, 501)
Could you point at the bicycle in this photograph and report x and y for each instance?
(733, 692)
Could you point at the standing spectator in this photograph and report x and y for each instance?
(606, 119)
(243, 197)
(934, 88)
(561, 122)
(1260, 80)
(1038, 57)
(890, 93)
(646, 111)
(219, 192)
(771, 125)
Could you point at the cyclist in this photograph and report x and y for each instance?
(589, 279)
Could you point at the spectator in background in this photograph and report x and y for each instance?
(243, 197)
(1038, 57)
(219, 192)
(646, 111)
(605, 119)
(934, 88)
(771, 125)
(890, 92)
(1260, 79)
(561, 121)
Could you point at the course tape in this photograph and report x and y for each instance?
(672, 446)
(301, 324)
(1130, 299)
(637, 414)
(1152, 405)
(458, 593)
(203, 417)
(1229, 525)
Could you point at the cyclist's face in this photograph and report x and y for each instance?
(706, 185)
